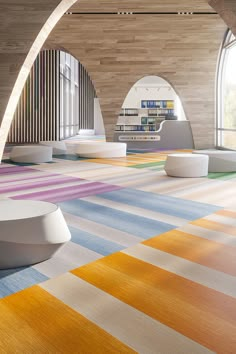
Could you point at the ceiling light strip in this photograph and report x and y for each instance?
(142, 13)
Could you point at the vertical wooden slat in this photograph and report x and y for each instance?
(41, 109)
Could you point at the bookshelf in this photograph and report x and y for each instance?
(147, 118)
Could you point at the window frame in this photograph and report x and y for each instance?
(229, 41)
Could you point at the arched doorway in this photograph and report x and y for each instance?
(152, 116)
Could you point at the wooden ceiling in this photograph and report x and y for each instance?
(141, 6)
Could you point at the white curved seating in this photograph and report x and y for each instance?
(31, 154)
(220, 160)
(58, 147)
(186, 165)
(101, 149)
(31, 232)
(87, 132)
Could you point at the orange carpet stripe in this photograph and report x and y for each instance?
(196, 249)
(183, 305)
(33, 321)
(227, 213)
(112, 162)
(215, 226)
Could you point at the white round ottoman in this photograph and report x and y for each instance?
(87, 132)
(31, 154)
(186, 165)
(58, 147)
(31, 232)
(220, 160)
(101, 149)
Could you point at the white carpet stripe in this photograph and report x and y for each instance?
(211, 278)
(70, 256)
(222, 219)
(108, 233)
(127, 324)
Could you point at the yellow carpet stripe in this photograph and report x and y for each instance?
(181, 304)
(211, 278)
(130, 326)
(35, 322)
(196, 249)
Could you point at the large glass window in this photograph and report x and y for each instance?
(69, 105)
(226, 122)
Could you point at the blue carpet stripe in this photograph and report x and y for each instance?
(14, 280)
(123, 221)
(94, 243)
(181, 208)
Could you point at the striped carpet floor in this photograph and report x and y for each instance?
(150, 267)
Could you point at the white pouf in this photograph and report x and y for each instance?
(220, 160)
(87, 132)
(31, 232)
(101, 149)
(58, 147)
(186, 165)
(31, 154)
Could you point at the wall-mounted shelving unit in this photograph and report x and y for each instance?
(147, 118)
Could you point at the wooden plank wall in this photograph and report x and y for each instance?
(118, 50)
(227, 10)
(138, 5)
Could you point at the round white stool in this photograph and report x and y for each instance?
(87, 132)
(30, 232)
(186, 165)
(101, 149)
(58, 147)
(220, 160)
(31, 154)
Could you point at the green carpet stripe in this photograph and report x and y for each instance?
(222, 175)
(149, 164)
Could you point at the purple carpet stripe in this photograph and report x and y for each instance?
(49, 182)
(27, 178)
(69, 193)
(83, 194)
(16, 169)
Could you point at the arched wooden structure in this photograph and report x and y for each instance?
(24, 28)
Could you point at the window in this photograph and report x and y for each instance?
(69, 104)
(226, 120)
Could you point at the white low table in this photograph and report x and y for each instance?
(220, 160)
(58, 147)
(31, 154)
(30, 232)
(101, 149)
(186, 165)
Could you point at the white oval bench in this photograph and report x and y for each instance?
(220, 160)
(101, 149)
(186, 165)
(31, 154)
(58, 147)
(30, 232)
